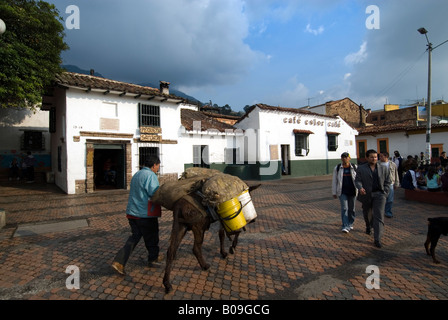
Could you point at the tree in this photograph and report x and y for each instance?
(246, 108)
(30, 51)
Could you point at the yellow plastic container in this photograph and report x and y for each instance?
(231, 215)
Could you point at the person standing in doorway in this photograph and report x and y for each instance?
(343, 186)
(143, 185)
(398, 160)
(373, 184)
(394, 182)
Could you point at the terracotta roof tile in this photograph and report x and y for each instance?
(72, 79)
(189, 116)
(283, 109)
(398, 126)
(302, 131)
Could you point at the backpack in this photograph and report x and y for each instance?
(354, 166)
(406, 182)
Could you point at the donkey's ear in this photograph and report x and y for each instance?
(252, 188)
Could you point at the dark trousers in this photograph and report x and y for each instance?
(373, 208)
(148, 228)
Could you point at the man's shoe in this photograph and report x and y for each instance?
(157, 262)
(388, 215)
(118, 267)
(346, 230)
(377, 244)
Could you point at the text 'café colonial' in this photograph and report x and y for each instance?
(312, 122)
(305, 144)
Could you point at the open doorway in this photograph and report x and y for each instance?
(286, 162)
(109, 166)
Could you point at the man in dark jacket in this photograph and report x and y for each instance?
(373, 183)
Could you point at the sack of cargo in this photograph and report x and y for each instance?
(198, 171)
(222, 187)
(171, 191)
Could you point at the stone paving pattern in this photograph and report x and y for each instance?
(294, 250)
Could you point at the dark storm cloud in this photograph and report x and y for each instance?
(185, 42)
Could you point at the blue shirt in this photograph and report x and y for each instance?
(143, 185)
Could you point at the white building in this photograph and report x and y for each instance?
(294, 142)
(23, 130)
(409, 140)
(94, 120)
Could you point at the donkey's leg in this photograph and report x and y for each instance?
(234, 242)
(198, 232)
(177, 234)
(222, 238)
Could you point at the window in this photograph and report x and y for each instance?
(32, 141)
(301, 144)
(383, 145)
(332, 141)
(149, 115)
(362, 148)
(145, 152)
(232, 156)
(200, 156)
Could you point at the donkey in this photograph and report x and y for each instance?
(187, 215)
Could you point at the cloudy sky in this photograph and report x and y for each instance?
(289, 53)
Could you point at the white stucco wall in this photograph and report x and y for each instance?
(13, 123)
(276, 128)
(411, 144)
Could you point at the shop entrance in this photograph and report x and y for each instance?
(286, 162)
(109, 166)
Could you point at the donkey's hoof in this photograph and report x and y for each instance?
(206, 267)
(232, 250)
(168, 288)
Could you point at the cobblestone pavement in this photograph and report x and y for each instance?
(294, 250)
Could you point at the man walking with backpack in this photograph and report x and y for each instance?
(343, 186)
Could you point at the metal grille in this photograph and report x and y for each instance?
(145, 152)
(149, 115)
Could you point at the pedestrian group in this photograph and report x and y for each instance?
(373, 184)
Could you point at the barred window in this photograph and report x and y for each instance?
(332, 142)
(302, 148)
(149, 115)
(145, 152)
(32, 141)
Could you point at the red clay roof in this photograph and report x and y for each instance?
(302, 131)
(283, 109)
(187, 117)
(72, 79)
(397, 126)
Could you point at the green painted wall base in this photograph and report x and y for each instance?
(273, 171)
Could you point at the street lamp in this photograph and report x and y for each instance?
(428, 101)
(428, 108)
